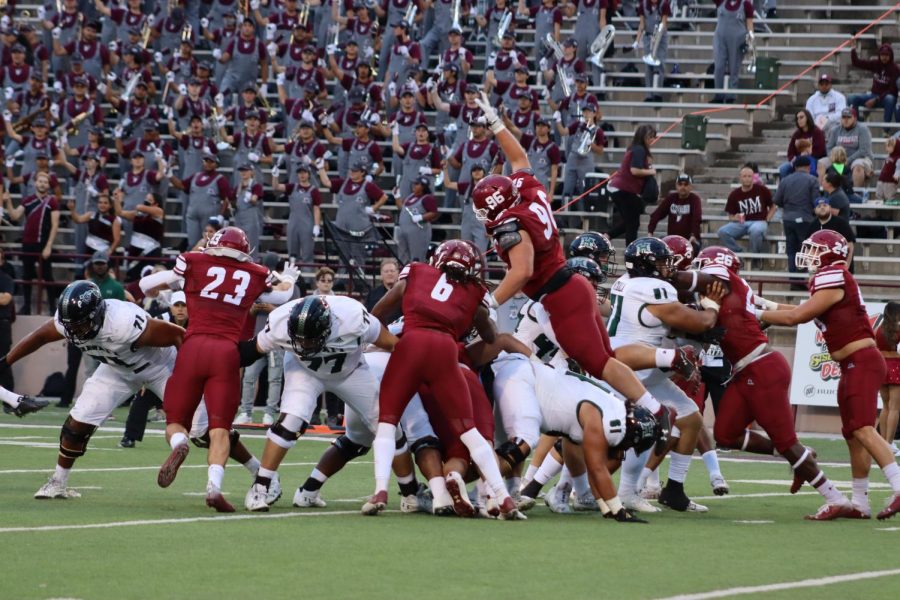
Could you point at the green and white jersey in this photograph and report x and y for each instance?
(630, 320)
(534, 331)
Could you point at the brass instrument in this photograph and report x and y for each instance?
(187, 32)
(265, 103)
(303, 17)
(505, 22)
(214, 117)
(72, 128)
(131, 85)
(652, 59)
(601, 44)
(25, 122)
(456, 10)
(410, 17)
(750, 42)
(585, 139)
(146, 32)
(79, 23)
(244, 6)
(560, 73)
(59, 7)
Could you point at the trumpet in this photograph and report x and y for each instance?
(214, 118)
(505, 22)
(601, 44)
(750, 42)
(303, 15)
(187, 32)
(410, 17)
(456, 24)
(131, 85)
(560, 73)
(265, 103)
(72, 128)
(585, 139)
(652, 59)
(25, 122)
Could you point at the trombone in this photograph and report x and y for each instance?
(302, 17)
(505, 22)
(558, 68)
(652, 59)
(146, 31)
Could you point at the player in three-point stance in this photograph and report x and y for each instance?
(838, 310)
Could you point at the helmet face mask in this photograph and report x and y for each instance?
(493, 195)
(642, 430)
(682, 250)
(717, 255)
(309, 326)
(821, 249)
(81, 310)
(649, 257)
(230, 242)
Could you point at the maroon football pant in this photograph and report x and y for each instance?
(207, 367)
(578, 326)
(862, 373)
(481, 410)
(429, 357)
(758, 393)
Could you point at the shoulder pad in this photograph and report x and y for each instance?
(506, 226)
(507, 239)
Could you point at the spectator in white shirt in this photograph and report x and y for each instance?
(826, 105)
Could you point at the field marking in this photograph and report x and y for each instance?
(143, 522)
(156, 468)
(786, 482)
(759, 495)
(887, 529)
(760, 522)
(160, 432)
(28, 444)
(788, 585)
(769, 461)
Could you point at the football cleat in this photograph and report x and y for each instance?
(557, 498)
(215, 499)
(687, 366)
(859, 513)
(719, 485)
(305, 499)
(830, 512)
(585, 502)
(525, 502)
(268, 420)
(375, 504)
(651, 492)
(255, 500)
(798, 481)
(509, 511)
(697, 508)
(673, 496)
(243, 419)
(891, 509)
(169, 469)
(27, 405)
(457, 489)
(55, 489)
(409, 504)
(274, 491)
(424, 499)
(638, 504)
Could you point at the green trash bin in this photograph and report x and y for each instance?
(766, 73)
(693, 132)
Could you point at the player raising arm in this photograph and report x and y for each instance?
(838, 310)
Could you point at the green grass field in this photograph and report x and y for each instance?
(126, 538)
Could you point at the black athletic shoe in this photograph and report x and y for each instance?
(126, 442)
(27, 405)
(674, 497)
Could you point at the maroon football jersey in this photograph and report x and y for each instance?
(220, 292)
(737, 315)
(534, 216)
(847, 321)
(433, 301)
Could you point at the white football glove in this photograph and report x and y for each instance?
(217, 53)
(41, 13)
(170, 76)
(280, 79)
(158, 154)
(543, 64)
(253, 157)
(392, 88)
(117, 132)
(276, 172)
(158, 57)
(331, 49)
(320, 164)
(114, 47)
(101, 87)
(290, 273)
(204, 23)
(8, 92)
(272, 49)
(374, 118)
(403, 51)
(490, 113)
(557, 116)
(170, 114)
(369, 180)
(395, 128)
(306, 115)
(58, 87)
(316, 230)
(222, 146)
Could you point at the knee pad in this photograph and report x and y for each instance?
(201, 441)
(233, 437)
(287, 430)
(424, 443)
(557, 445)
(349, 450)
(74, 437)
(400, 445)
(511, 452)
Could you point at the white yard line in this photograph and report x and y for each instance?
(788, 585)
(48, 445)
(760, 495)
(155, 468)
(786, 482)
(112, 524)
(159, 432)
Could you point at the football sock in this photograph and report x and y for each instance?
(631, 470)
(678, 466)
(177, 439)
(892, 473)
(649, 402)
(315, 481)
(264, 476)
(827, 489)
(513, 484)
(711, 460)
(216, 474)
(408, 484)
(482, 454)
(438, 487)
(383, 447)
(9, 397)
(581, 485)
(642, 478)
(252, 465)
(860, 496)
(653, 478)
(665, 358)
(62, 474)
(529, 472)
(547, 471)
(565, 476)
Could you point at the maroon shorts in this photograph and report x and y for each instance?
(758, 393)
(207, 367)
(482, 413)
(892, 377)
(862, 374)
(578, 326)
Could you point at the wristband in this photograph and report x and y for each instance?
(614, 505)
(768, 304)
(759, 313)
(497, 126)
(693, 281)
(492, 302)
(709, 304)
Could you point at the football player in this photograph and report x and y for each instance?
(221, 284)
(758, 390)
(135, 351)
(840, 314)
(323, 338)
(440, 303)
(516, 212)
(17, 404)
(645, 307)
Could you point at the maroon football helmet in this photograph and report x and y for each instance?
(718, 255)
(492, 196)
(231, 242)
(681, 249)
(823, 248)
(458, 259)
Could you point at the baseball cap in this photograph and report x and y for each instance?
(358, 166)
(423, 180)
(848, 112)
(39, 123)
(210, 156)
(17, 48)
(581, 77)
(472, 88)
(303, 167)
(823, 200)
(825, 77)
(100, 257)
(245, 167)
(455, 29)
(136, 154)
(249, 88)
(570, 43)
(451, 67)
(802, 161)
(684, 178)
(178, 298)
(520, 68)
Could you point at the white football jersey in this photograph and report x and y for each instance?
(123, 324)
(630, 320)
(352, 329)
(560, 393)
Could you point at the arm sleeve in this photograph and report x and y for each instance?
(372, 328)
(264, 338)
(276, 297)
(168, 278)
